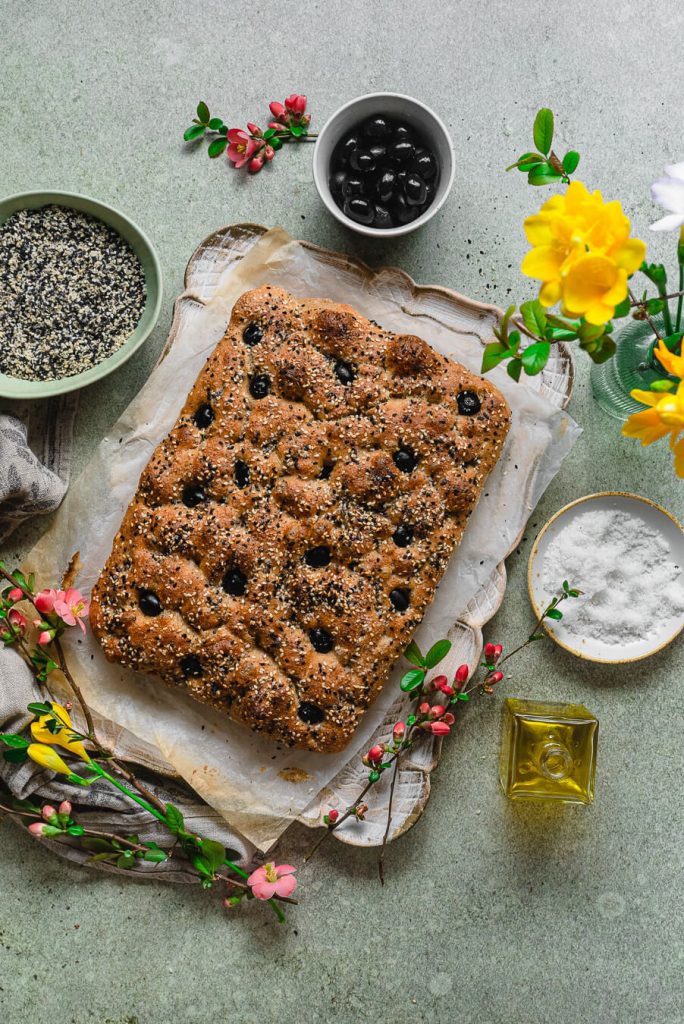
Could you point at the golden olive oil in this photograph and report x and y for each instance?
(548, 751)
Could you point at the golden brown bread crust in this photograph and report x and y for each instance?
(264, 528)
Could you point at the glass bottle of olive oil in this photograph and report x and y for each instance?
(549, 751)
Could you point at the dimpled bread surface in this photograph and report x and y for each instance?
(289, 533)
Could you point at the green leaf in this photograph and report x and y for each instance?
(655, 306)
(514, 339)
(155, 856)
(655, 272)
(203, 112)
(174, 820)
(570, 161)
(535, 357)
(214, 854)
(297, 131)
(16, 756)
(660, 386)
(604, 352)
(373, 776)
(126, 860)
(514, 369)
(216, 124)
(534, 317)
(527, 161)
(412, 680)
(543, 130)
(543, 176)
(437, 652)
(276, 143)
(10, 740)
(494, 353)
(97, 845)
(412, 654)
(623, 308)
(75, 830)
(554, 613)
(269, 133)
(462, 696)
(194, 132)
(566, 586)
(100, 856)
(40, 709)
(217, 146)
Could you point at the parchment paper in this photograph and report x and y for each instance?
(256, 785)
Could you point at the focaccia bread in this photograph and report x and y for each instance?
(288, 535)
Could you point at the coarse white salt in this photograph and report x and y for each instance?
(631, 586)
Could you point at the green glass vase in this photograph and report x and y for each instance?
(632, 366)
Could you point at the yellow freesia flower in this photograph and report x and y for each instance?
(582, 253)
(664, 416)
(673, 363)
(42, 734)
(46, 757)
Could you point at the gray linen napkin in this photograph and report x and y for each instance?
(100, 806)
(35, 458)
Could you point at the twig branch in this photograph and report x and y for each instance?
(381, 858)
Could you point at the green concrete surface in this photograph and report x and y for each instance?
(492, 913)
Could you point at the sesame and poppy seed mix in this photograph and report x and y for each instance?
(288, 535)
(71, 292)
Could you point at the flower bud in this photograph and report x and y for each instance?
(438, 682)
(45, 637)
(375, 753)
(360, 811)
(45, 601)
(37, 828)
(269, 152)
(17, 621)
(255, 164)
(493, 677)
(65, 807)
(437, 711)
(48, 812)
(489, 651)
(254, 129)
(332, 816)
(16, 594)
(447, 690)
(277, 109)
(462, 674)
(424, 708)
(448, 718)
(439, 728)
(399, 731)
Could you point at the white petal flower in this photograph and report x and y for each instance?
(668, 192)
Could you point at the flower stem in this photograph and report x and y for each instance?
(635, 302)
(681, 297)
(381, 858)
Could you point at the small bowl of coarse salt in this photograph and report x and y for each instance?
(80, 291)
(626, 555)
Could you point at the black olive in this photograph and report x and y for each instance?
(327, 470)
(468, 403)
(402, 211)
(362, 161)
(415, 190)
(259, 386)
(385, 185)
(403, 535)
(317, 558)
(241, 473)
(382, 218)
(346, 148)
(401, 133)
(377, 127)
(204, 416)
(401, 152)
(344, 372)
(321, 640)
(149, 603)
(252, 334)
(310, 713)
(234, 583)
(353, 186)
(377, 151)
(359, 209)
(193, 495)
(337, 182)
(405, 460)
(400, 599)
(191, 665)
(424, 164)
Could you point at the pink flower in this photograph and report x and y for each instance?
(17, 620)
(16, 594)
(45, 637)
(438, 682)
(440, 728)
(242, 147)
(295, 104)
(256, 163)
(45, 601)
(71, 607)
(278, 111)
(399, 731)
(448, 718)
(462, 673)
(271, 880)
(37, 828)
(48, 812)
(64, 807)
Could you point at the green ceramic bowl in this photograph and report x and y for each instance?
(14, 387)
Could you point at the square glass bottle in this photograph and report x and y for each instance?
(548, 751)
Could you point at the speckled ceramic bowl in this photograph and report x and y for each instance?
(15, 387)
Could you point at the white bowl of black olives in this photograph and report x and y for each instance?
(383, 164)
